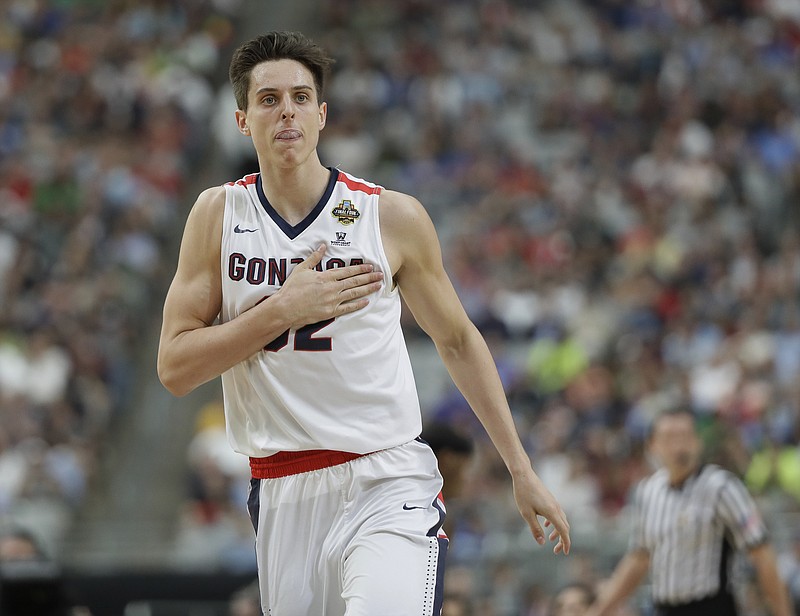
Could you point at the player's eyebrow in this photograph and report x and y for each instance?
(293, 89)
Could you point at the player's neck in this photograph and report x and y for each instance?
(294, 191)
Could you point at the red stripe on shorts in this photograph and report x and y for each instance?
(285, 463)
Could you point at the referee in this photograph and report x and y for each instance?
(688, 520)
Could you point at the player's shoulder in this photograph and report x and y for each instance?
(207, 211)
(391, 201)
(244, 182)
(209, 202)
(399, 199)
(401, 209)
(212, 195)
(357, 184)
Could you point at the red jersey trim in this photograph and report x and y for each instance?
(359, 186)
(285, 463)
(245, 181)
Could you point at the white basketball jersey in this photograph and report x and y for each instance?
(344, 384)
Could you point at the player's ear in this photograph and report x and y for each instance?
(241, 122)
(323, 115)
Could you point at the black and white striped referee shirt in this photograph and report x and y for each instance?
(690, 532)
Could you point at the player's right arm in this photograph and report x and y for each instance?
(193, 349)
(623, 582)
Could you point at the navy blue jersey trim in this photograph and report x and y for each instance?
(438, 597)
(293, 231)
(434, 530)
(254, 502)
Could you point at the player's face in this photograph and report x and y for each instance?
(283, 115)
(676, 444)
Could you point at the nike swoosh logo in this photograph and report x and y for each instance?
(238, 229)
(407, 508)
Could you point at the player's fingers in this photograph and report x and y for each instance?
(360, 281)
(561, 530)
(311, 261)
(536, 530)
(352, 306)
(346, 274)
(357, 293)
(564, 540)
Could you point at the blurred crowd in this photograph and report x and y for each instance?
(617, 189)
(103, 114)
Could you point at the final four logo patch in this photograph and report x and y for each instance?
(346, 213)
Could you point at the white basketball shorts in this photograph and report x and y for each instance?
(359, 538)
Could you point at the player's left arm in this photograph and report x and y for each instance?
(412, 247)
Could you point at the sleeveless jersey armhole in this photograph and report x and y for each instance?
(390, 289)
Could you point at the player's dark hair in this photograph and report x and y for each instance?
(277, 46)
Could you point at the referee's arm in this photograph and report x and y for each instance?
(775, 594)
(624, 581)
(742, 518)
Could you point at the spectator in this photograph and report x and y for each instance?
(573, 599)
(19, 544)
(100, 109)
(30, 582)
(453, 450)
(246, 601)
(456, 605)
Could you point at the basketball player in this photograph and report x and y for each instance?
(303, 266)
(688, 519)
